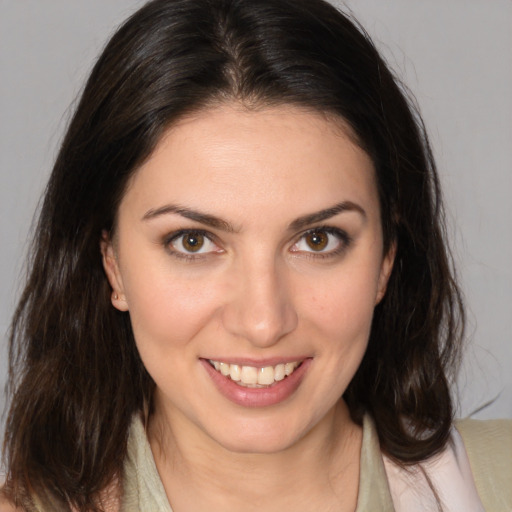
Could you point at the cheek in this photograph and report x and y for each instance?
(341, 319)
(343, 305)
(167, 311)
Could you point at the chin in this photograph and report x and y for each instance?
(256, 444)
(258, 436)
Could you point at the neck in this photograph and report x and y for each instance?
(321, 468)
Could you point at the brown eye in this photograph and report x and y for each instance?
(192, 242)
(324, 242)
(317, 240)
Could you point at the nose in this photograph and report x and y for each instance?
(260, 307)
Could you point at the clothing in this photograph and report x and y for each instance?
(489, 448)
(473, 474)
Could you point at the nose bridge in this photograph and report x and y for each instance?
(260, 309)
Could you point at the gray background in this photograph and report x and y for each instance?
(455, 55)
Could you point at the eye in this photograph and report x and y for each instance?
(324, 241)
(191, 243)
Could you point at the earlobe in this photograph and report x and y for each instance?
(111, 267)
(385, 272)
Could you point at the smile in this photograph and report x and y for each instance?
(254, 377)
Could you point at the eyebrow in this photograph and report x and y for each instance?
(312, 218)
(218, 223)
(203, 218)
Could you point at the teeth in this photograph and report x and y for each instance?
(235, 372)
(224, 368)
(251, 376)
(266, 375)
(288, 368)
(279, 372)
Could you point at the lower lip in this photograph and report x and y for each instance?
(257, 397)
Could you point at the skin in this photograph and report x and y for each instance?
(7, 506)
(256, 291)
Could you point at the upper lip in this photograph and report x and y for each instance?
(258, 363)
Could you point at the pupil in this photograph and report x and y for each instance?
(193, 242)
(317, 241)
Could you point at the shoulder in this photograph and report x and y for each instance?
(488, 444)
(7, 506)
(445, 476)
(110, 500)
(494, 430)
(472, 473)
(487, 441)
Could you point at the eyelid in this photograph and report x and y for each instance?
(344, 242)
(344, 239)
(171, 237)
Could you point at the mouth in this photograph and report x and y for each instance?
(249, 385)
(253, 376)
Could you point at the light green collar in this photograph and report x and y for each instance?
(143, 490)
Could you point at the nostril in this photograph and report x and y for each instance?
(259, 308)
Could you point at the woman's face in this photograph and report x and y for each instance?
(249, 254)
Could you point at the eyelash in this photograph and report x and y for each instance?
(344, 243)
(190, 257)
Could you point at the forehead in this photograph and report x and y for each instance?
(241, 160)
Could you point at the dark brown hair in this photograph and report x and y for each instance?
(75, 375)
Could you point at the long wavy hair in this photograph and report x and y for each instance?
(75, 377)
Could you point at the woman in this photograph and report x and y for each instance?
(240, 292)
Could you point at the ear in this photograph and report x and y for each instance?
(111, 267)
(385, 272)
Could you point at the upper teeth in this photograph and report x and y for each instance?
(253, 376)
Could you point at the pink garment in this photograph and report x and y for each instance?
(450, 475)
